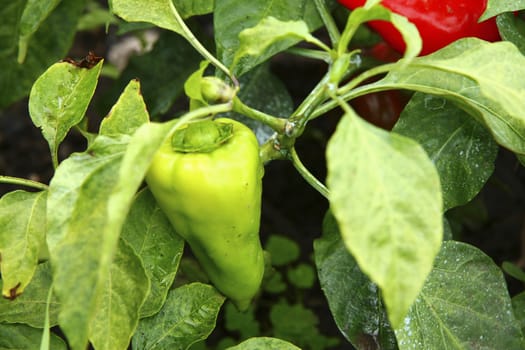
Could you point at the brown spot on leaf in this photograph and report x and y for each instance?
(13, 292)
(88, 62)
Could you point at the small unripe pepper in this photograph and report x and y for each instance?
(207, 179)
(215, 90)
(440, 22)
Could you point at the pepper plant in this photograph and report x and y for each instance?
(92, 258)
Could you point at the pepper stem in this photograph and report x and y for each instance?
(203, 136)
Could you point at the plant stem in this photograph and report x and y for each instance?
(313, 40)
(188, 34)
(24, 182)
(205, 111)
(384, 68)
(350, 91)
(300, 117)
(307, 175)
(328, 106)
(328, 21)
(341, 102)
(277, 124)
(347, 35)
(316, 96)
(44, 344)
(270, 150)
(309, 53)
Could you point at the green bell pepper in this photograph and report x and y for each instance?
(207, 179)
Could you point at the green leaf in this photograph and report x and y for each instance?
(190, 271)
(512, 28)
(463, 305)
(480, 77)
(223, 344)
(30, 307)
(128, 114)
(22, 337)
(302, 276)
(386, 197)
(282, 249)
(518, 304)
(447, 229)
(118, 306)
(231, 17)
(495, 7)
(161, 13)
(192, 86)
(89, 198)
(188, 316)
(49, 44)
(152, 237)
(189, 8)
(22, 234)
(462, 150)
(59, 98)
(270, 36)
(364, 14)
(513, 270)
(354, 300)
(95, 16)
(35, 12)
(274, 282)
(81, 238)
(298, 324)
(264, 343)
(242, 321)
(264, 91)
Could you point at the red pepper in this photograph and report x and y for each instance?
(383, 52)
(381, 108)
(440, 22)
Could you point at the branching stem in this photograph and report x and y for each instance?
(307, 175)
(24, 182)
